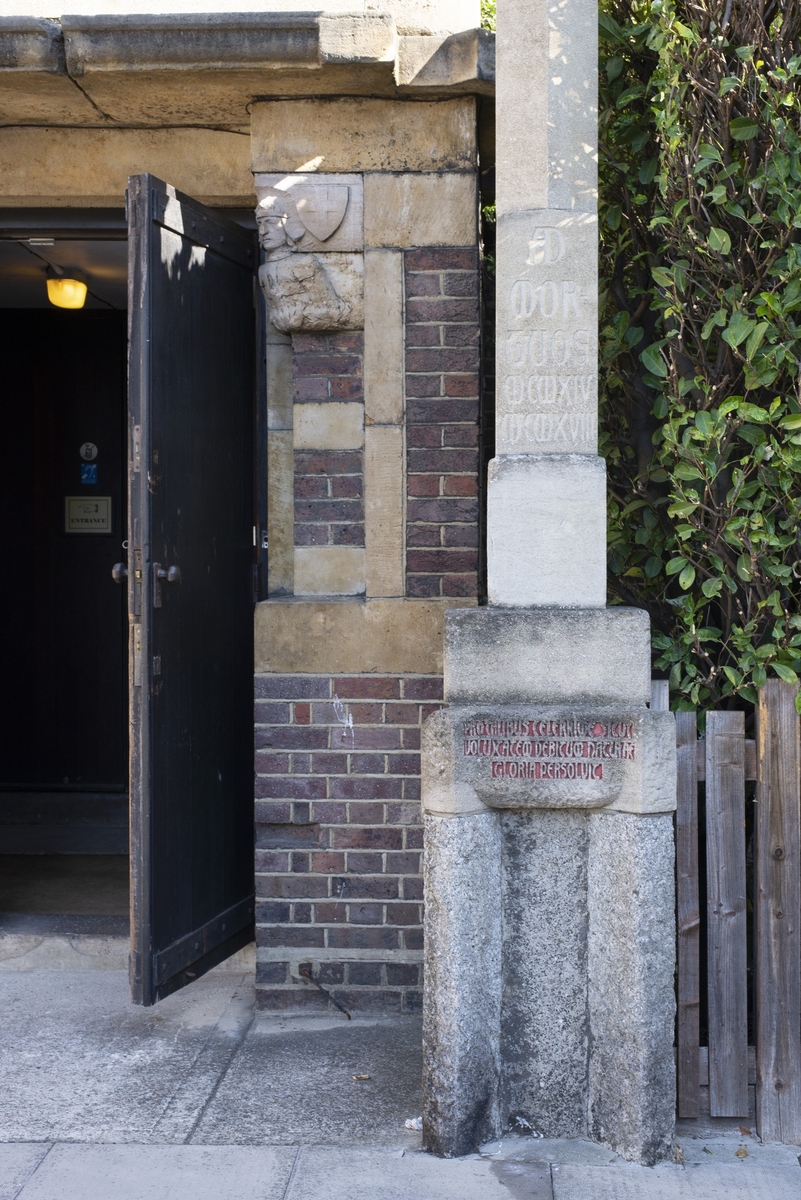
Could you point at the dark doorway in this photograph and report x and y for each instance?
(63, 704)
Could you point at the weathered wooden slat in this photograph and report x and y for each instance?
(778, 913)
(688, 914)
(660, 695)
(726, 914)
(750, 760)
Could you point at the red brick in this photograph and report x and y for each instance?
(361, 862)
(313, 487)
(303, 343)
(441, 259)
(326, 862)
(329, 913)
(302, 713)
(367, 714)
(301, 887)
(362, 937)
(423, 485)
(426, 687)
(328, 462)
(292, 787)
(353, 340)
(460, 283)
(365, 887)
(365, 787)
(360, 837)
(460, 585)
(367, 687)
(367, 914)
(461, 485)
(343, 486)
(271, 860)
(326, 364)
(457, 335)
(292, 687)
(347, 535)
(460, 385)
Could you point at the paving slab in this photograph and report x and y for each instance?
(292, 1082)
(81, 1063)
(625, 1181)
(162, 1173)
(17, 1164)
(333, 1173)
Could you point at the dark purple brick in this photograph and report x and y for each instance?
(459, 435)
(292, 887)
(426, 687)
(273, 814)
(367, 687)
(364, 737)
(337, 510)
(460, 283)
(403, 914)
(411, 739)
(367, 764)
(330, 764)
(347, 535)
(267, 713)
(346, 486)
(403, 974)
(329, 913)
(413, 939)
(441, 560)
(440, 512)
(270, 972)
(460, 585)
(328, 462)
(345, 387)
(404, 764)
(302, 914)
(461, 535)
(288, 837)
(326, 363)
(364, 974)
(364, 887)
(427, 435)
(328, 813)
(403, 814)
(365, 787)
(360, 837)
(423, 284)
(439, 310)
(412, 887)
(414, 838)
(405, 863)
(292, 687)
(361, 862)
(272, 912)
(300, 862)
(369, 914)
(423, 386)
(311, 487)
(310, 535)
(440, 411)
(286, 935)
(420, 587)
(271, 860)
(427, 335)
(461, 385)
(442, 358)
(427, 535)
(411, 791)
(438, 258)
(442, 461)
(292, 787)
(310, 387)
(291, 737)
(360, 937)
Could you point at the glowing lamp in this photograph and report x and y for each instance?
(66, 291)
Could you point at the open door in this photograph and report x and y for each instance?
(190, 592)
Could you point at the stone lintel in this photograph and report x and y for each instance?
(349, 636)
(553, 656)
(515, 757)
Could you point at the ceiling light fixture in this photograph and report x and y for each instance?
(66, 290)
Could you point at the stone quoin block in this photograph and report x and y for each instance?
(384, 479)
(332, 425)
(329, 571)
(420, 210)
(546, 531)
(383, 336)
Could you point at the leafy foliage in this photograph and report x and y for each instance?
(700, 336)
(488, 14)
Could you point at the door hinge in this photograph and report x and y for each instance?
(137, 655)
(137, 448)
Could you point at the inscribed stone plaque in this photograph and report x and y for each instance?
(548, 757)
(547, 342)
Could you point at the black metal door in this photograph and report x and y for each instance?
(191, 373)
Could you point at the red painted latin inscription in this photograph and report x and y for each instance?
(549, 749)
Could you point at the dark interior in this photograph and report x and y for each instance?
(63, 625)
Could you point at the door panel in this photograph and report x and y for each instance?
(192, 355)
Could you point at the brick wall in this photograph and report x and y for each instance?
(442, 415)
(338, 839)
(329, 505)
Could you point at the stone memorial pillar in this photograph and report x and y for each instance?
(548, 782)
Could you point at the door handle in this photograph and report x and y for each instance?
(118, 572)
(172, 575)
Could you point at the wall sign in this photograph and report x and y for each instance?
(84, 514)
(88, 472)
(88, 451)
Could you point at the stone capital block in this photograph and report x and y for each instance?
(516, 757)
(546, 531)
(547, 656)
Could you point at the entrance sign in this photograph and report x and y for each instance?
(87, 514)
(192, 355)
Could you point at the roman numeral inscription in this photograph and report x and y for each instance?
(547, 327)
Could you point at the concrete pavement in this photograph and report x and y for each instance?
(197, 1099)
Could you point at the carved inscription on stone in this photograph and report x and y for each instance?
(567, 748)
(547, 335)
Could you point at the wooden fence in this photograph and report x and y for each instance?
(724, 762)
